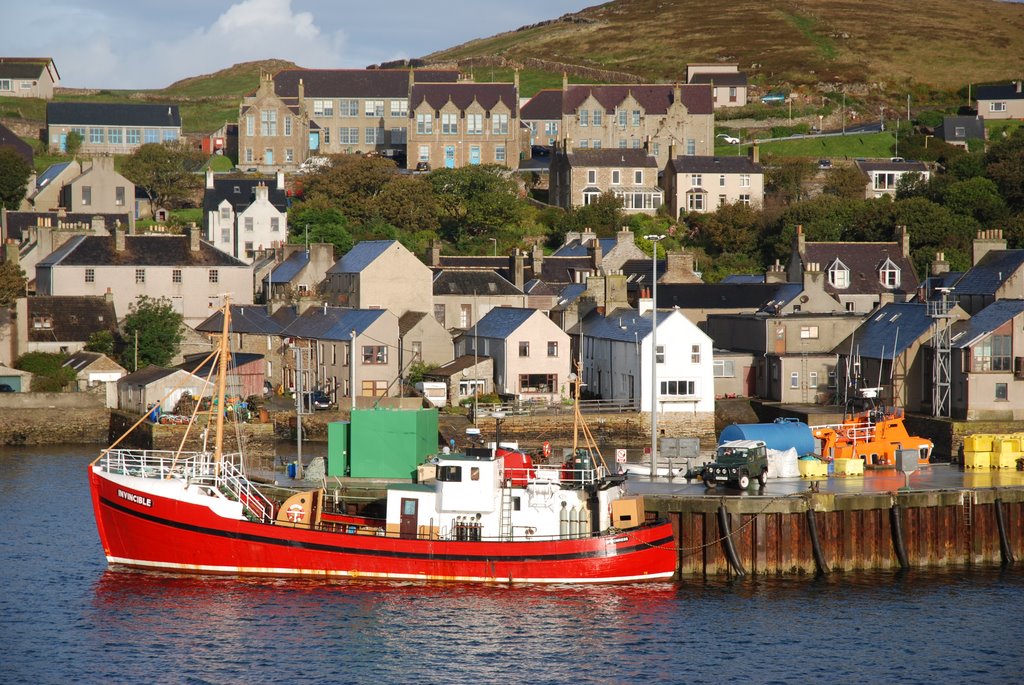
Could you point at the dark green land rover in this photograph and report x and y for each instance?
(737, 462)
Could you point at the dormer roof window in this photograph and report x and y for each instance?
(838, 275)
(889, 274)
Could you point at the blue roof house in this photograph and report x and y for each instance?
(530, 353)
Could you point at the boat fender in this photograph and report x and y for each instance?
(563, 520)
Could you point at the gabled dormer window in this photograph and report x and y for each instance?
(839, 275)
(889, 274)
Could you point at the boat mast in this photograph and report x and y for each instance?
(222, 379)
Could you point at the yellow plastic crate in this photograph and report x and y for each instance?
(977, 460)
(849, 467)
(1005, 460)
(812, 468)
(1005, 443)
(979, 442)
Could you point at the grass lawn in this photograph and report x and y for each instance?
(816, 147)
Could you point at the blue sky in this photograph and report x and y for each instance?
(152, 43)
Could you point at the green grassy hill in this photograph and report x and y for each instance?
(941, 45)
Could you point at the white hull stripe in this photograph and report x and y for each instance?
(267, 571)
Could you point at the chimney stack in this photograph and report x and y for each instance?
(755, 154)
(193, 237)
(119, 238)
(209, 178)
(940, 266)
(776, 273)
(987, 240)
(280, 179)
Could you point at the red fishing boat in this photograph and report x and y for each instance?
(483, 518)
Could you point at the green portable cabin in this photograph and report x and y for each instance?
(381, 443)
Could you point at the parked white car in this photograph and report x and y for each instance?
(732, 140)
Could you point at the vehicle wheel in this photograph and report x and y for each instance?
(744, 481)
(709, 484)
(762, 480)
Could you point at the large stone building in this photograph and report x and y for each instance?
(627, 116)
(298, 113)
(458, 124)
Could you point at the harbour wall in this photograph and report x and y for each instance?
(47, 418)
(814, 533)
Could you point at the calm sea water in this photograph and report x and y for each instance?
(64, 617)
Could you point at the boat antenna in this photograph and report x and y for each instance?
(881, 360)
(222, 377)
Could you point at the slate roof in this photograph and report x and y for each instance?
(332, 323)
(474, 261)
(538, 288)
(248, 318)
(241, 192)
(23, 67)
(501, 322)
(140, 250)
(545, 105)
(786, 293)
(967, 333)
(466, 361)
(973, 129)
(654, 98)
(361, 256)
(611, 157)
(74, 318)
(631, 327)
(18, 223)
(207, 369)
(408, 321)
(571, 293)
(51, 172)
(743, 278)
(462, 95)
(706, 164)
(472, 282)
(1003, 91)
(289, 268)
(717, 295)
(9, 138)
(577, 247)
(991, 271)
(112, 114)
(150, 374)
(869, 165)
(366, 83)
(897, 324)
(559, 269)
(864, 260)
(724, 79)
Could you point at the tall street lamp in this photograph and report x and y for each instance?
(654, 238)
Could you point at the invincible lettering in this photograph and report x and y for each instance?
(135, 499)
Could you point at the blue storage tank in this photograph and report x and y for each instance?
(779, 435)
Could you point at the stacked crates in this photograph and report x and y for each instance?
(849, 467)
(812, 468)
(988, 451)
(978, 451)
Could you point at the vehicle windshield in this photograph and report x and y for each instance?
(731, 455)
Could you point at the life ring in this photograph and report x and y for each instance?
(547, 449)
(295, 513)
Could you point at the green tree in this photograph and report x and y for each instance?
(12, 283)
(1004, 164)
(604, 215)
(48, 371)
(408, 204)
(416, 372)
(158, 329)
(14, 173)
(731, 228)
(977, 197)
(166, 172)
(845, 182)
(788, 177)
(102, 342)
(73, 143)
(475, 200)
(351, 184)
(326, 225)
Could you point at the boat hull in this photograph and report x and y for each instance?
(142, 527)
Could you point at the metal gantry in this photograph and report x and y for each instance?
(942, 345)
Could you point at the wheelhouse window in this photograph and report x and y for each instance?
(449, 473)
